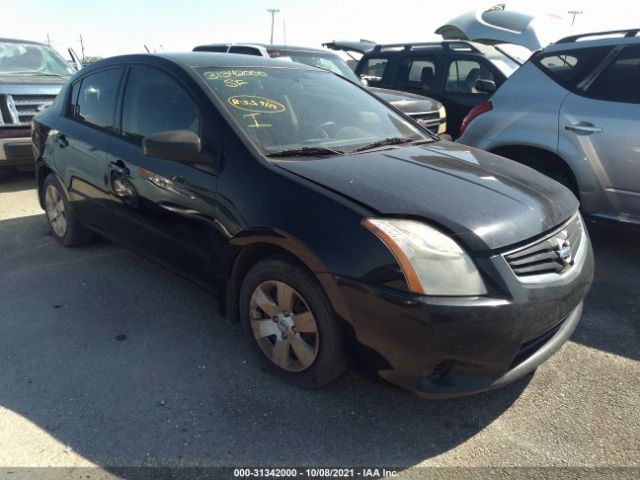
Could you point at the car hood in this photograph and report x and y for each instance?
(407, 102)
(500, 26)
(485, 201)
(35, 80)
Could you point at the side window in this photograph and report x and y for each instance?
(97, 98)
(245, 50)
(155, 103)
(211, 48)
(570, 67)
(620, 81)
(72, 106)
(417, 73)
(463, 75)
(374, 69)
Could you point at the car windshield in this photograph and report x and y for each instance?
(326, 61)
(289, 109)
(32, 59)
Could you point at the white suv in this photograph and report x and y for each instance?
(572, 112)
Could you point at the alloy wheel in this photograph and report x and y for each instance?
(54, 206)
(284, 326)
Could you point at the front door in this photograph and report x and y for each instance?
(600, 125)
(164, 208)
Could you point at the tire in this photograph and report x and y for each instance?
(286, 304)
(63, 225)
(562, 178)
(549, 167)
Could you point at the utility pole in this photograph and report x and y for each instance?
(574, 13)
(48, 40)
(273, 12)
(82, 47)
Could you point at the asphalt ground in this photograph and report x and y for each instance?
(109, 360)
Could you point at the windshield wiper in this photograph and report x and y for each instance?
(306, 152)
(384, 142)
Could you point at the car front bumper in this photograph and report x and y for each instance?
(452, 346)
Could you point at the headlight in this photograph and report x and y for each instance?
(432, 263)
(442, 114)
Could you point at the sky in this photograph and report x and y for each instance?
(116, 27)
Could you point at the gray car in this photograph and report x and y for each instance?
(572, 112)
(31, 75)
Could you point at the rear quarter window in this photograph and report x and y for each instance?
(570, 67)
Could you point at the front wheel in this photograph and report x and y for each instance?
(290, 323)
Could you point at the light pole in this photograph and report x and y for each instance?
(273, 12)
(574, 13)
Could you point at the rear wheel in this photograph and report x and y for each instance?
(290, 323)
(64, 226)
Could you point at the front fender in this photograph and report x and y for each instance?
(259, 238)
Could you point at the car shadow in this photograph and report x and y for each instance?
(130, 365)
(611, 318)
(14, 180)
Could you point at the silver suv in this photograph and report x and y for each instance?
(572, 112)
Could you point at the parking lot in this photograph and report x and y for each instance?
(109, 359)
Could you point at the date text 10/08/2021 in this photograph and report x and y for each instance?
(314, 473)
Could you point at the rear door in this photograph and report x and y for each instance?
(602, 123)
(420, 74)
(82, 144)
(164, 208)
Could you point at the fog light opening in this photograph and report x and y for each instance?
(441, 370)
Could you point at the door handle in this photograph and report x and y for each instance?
(119, 168)
(583, 128)
(62, 140)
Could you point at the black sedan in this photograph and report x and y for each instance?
(325, 221)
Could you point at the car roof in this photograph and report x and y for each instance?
(465, 46)
(206, 59)
(596, 39)
(269, 46)
(15, 40)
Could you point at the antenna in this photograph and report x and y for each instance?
(574, 13)
(147, 49)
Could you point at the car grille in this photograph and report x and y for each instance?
(554, 254)
(20, 109)
(430, 120)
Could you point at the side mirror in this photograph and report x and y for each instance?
(486, 86)
(179, 145)
(364, 82)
